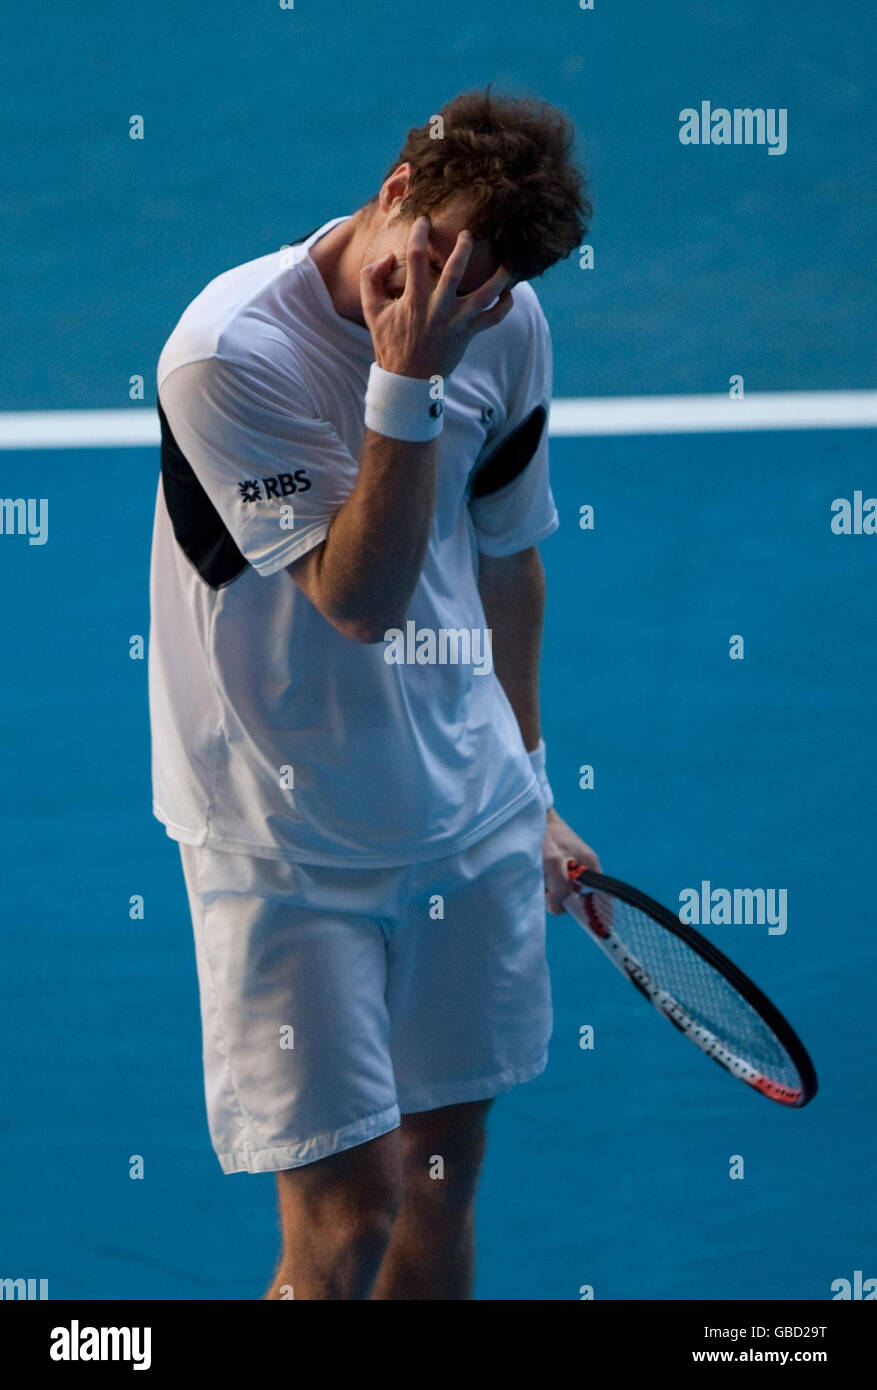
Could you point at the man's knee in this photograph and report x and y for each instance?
(350, 1199)
(443, 1152)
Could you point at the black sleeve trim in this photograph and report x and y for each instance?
(201, 533)
(508, 462)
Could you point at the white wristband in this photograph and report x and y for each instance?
(401, 407)
(537, 760)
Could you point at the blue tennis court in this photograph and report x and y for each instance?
(612, 1169)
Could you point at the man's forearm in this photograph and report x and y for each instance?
(363, 575)
(513, 594)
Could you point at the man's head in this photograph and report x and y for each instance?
(501, 167)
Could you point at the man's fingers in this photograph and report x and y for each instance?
(455, 266)
(588, 858)
(418, 284)
(372, 284)
(494, 315)
(556, 867)
(377, 272)
(485, 294)
(557, 885)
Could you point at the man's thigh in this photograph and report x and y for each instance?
(442, 1151)
(454, 1126)
(468, 988)
(295, 1025)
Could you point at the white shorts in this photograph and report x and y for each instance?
(335, 1000)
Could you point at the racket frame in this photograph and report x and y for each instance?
(585, 882)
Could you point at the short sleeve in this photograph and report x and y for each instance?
(510, 499)
(274, 473)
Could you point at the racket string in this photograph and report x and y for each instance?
(704, 993)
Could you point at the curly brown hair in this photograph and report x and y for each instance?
(512, 158)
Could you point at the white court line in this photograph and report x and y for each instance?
(760, 410)
(78, 429)
(583, 415)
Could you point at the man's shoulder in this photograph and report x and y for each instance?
(524, 327)
(527, 304)
(522, 337)
(219, 322)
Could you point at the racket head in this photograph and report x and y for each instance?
(607, 904)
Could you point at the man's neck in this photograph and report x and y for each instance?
(338, 256)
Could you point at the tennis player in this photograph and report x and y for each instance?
(347, 603)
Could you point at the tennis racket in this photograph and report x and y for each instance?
(693, 985)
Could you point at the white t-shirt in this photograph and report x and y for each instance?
(273, 734)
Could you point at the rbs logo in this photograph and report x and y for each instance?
(284, 485)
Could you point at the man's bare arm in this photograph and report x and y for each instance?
(362, 576)
(513, 594)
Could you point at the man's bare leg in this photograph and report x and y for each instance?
(431, 1254)
(337, 1215)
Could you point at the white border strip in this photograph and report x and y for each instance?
(765, 410)
(79, 429)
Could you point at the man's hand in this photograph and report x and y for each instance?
(559, 846)
(426, 330)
